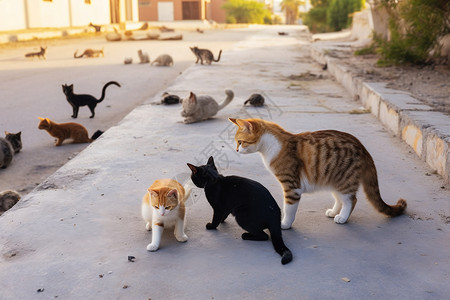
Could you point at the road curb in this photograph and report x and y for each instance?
(426, 131)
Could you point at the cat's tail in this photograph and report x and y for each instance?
(104, 90)
(372, 190)
(75, 55)
(188, 188)
(96, 134)
(278, 243)
(230, 96)
(218, 57)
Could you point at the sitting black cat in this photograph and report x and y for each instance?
(77, 100)
(249, 201)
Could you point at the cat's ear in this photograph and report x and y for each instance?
(153, 193)
(233, 120)
(192, 98)
(173, 193)
(211, 161)
(6, 132)
(48, 120)
(243, 124)
(192, 167)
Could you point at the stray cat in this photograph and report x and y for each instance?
(311, 161)
(199, 108)
(77, 100)
(164, 60)
(97, 28)
(63, 131)
(143, 57)
(249, 201)
(11, 144)
(204, 54)
(39, 54)
(89, 53)
(170, 99)
(164, 206)
(8, 199)
(255, 100)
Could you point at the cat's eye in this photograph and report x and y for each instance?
(239, 142)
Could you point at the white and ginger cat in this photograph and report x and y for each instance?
(311, 161)
(164, 206)
(199, 108)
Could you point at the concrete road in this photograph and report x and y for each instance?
(70, 238)
(32, 88)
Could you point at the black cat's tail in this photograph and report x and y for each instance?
(96, 134)
(218, 58)
(104, 90)
(278, 244)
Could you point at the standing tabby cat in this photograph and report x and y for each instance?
(249, 201)
(199, 108)
(11, 144)
(77, 100)
(204, 55)
(62, 131)
(163, 206)
(310, 161)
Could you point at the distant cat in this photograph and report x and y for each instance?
(77, 100)
(249, 201)
(169, 99)
(8, 199)
(164, 206)
(143, 57)
(311, 161)
(39, 54)
(204, 54)
(255, 100)
(11, 144)
(163, 60)
(97, 28)
(62, 131)
(199, 108)
(89, 53)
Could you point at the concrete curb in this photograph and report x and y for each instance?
(425, 130)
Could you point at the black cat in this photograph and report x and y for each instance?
(249, 201)
(255, 100)
(83, 99)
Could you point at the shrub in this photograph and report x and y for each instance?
(246, 11)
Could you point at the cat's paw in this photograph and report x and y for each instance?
(340, 219)
(148, 226)
(182, 238)
(152, 247)
(330, 213)
(210, 226)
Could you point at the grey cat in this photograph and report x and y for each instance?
(163, 60)
(204, 54)
(10, 144)
(199, 108)
(8, 199)
(143, 57)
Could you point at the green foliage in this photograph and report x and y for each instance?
(371, 49)
(416, 27)
(246, 11)
(316, 20)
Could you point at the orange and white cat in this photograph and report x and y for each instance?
(62, 131)
(164, 206)
(311, 161)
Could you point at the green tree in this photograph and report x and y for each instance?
(339, 13)
(246, 11)
(316, 18)
(290, 9)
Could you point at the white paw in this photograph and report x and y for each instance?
(152, 247)
(339, 219)
(182, 238)
(285, 225)
(148, 226)
(330, 213)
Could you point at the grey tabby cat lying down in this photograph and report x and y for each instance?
(199, 108)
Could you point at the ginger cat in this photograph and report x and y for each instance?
(63, 131)
(310, 161)
(163, 206)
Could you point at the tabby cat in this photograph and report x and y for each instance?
(8, 199)
(89, 53)
(249, 201)
(62, 131)
(310, 161)
(11, 144)
(40, 54)
(204, 55)
(163, 60)
(164, 206)
(77, 100)
(169, 99)
(255, 100)
(199, 108)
